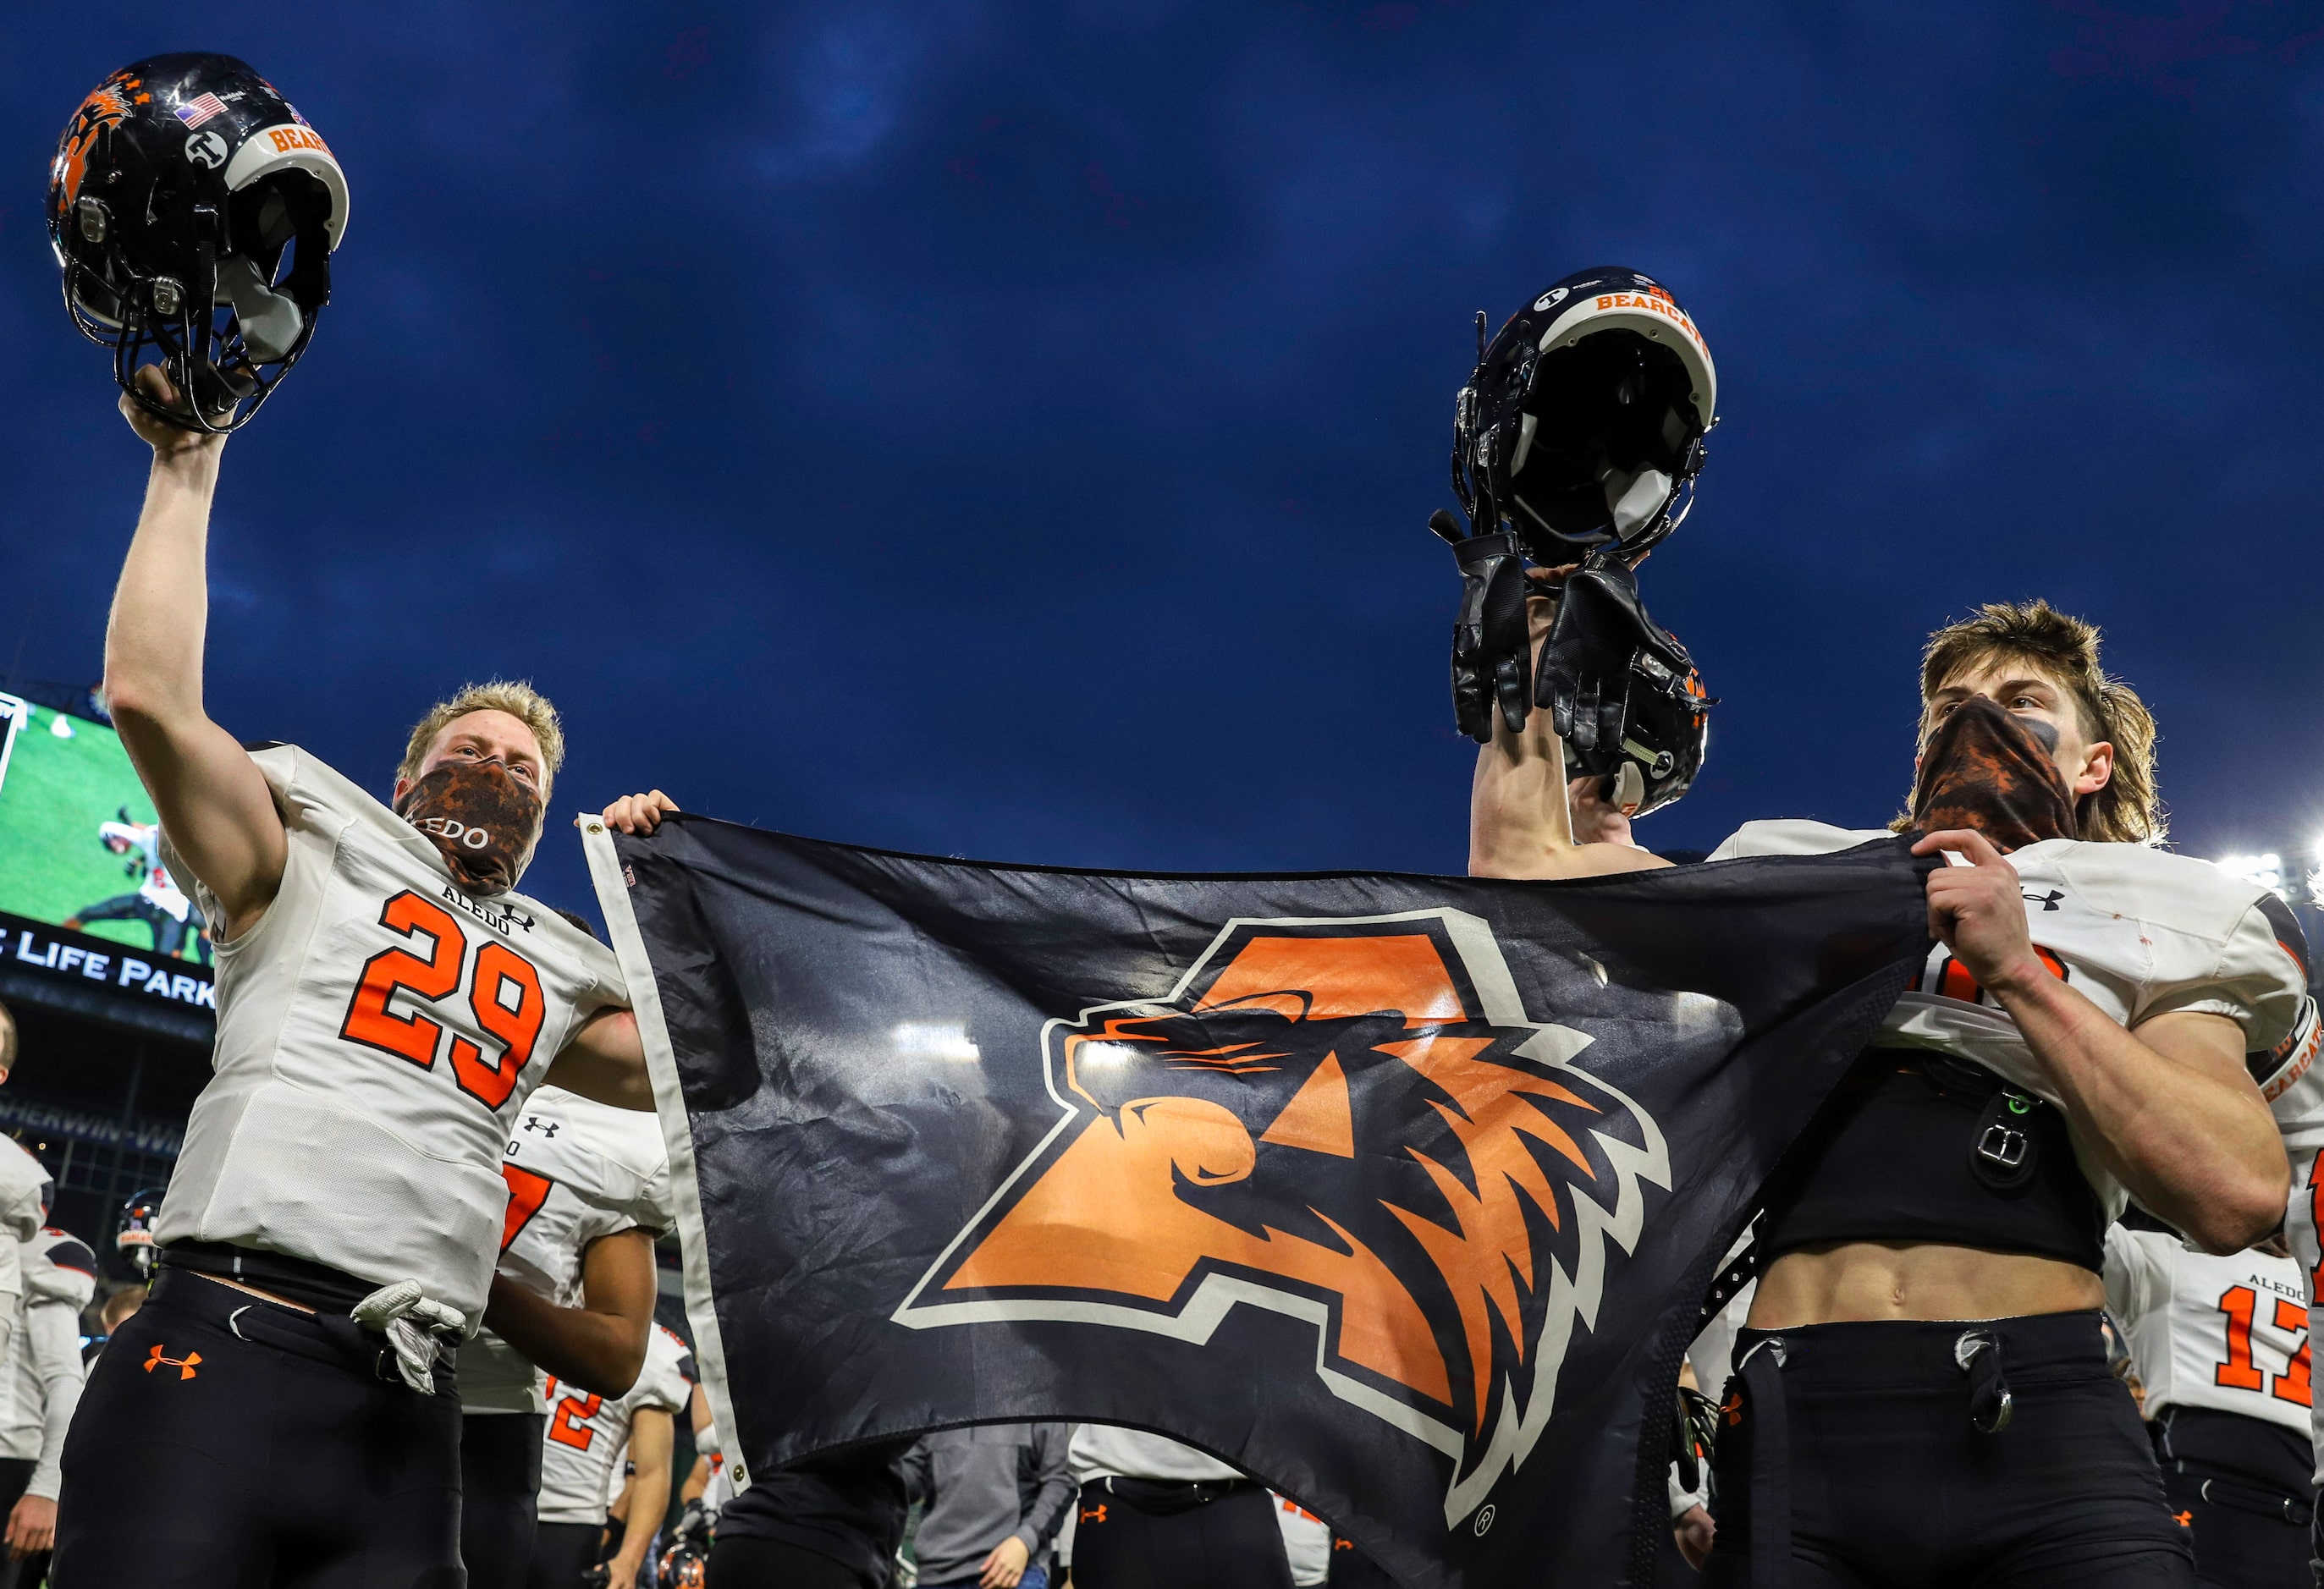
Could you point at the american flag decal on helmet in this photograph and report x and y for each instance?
(194, 112)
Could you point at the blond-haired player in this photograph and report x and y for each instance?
(1926, 1321)
(283, 1408)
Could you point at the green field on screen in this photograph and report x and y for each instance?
(53, 793)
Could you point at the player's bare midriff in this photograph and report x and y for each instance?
(1855, 1281)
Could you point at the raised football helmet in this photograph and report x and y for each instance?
(1581, 426)
(134, 1240)
(194, 212)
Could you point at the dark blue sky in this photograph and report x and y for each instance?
(1009, 429)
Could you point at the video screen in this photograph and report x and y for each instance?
(79, 846)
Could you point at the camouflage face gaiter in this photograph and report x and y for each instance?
(1991, 770)
(482, 820)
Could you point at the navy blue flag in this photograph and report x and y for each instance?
(1400, 1193)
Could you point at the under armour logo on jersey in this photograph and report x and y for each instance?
(184, 1366)
(535, 1123)
(2046, 901)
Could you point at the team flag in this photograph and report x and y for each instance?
(1401, 1193)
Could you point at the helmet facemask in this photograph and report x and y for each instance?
(226, 329)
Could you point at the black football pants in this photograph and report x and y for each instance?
(562, 1552)
(500, 1486)
(1891, 1486)
(224, 1442)
(1133, 1534)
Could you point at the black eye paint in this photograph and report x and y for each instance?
(2047, 733)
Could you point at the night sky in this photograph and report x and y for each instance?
(1009, 430)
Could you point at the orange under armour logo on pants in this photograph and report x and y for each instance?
(1094, 1514)
(184, 1366)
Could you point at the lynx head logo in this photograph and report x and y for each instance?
(1353, 1121)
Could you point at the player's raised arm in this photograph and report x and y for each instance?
(1520, 816)
(214, 804)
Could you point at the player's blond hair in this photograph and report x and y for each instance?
(2064, 649)
(7, 1040)
(516, 697)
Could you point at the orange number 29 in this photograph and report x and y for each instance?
(504, 997)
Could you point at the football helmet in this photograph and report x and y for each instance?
(1581, 426)
(194, 212)
(134, 1240)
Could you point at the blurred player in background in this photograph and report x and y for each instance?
(2221, 1344)
(581, 1457)
(1158, 1514)
(573, 1298)
(44, 1382)
(158, 902)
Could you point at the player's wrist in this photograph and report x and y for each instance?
(2022, 978)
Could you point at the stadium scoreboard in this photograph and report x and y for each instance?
(91, 921)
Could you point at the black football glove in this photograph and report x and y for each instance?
(1491, 649)
(1601, 623)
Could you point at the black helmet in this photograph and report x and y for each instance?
(194, 212)
(1581, 426)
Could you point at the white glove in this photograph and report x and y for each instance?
(416, 1326)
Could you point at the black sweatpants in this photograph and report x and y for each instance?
(1892, 1487)
(1135, 1534)
(562, 1552)
(499, 1485)
(224, 1442)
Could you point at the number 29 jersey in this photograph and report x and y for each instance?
(379, 1028)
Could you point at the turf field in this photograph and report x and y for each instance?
(53, 793)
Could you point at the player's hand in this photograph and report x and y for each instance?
(1695, 1531)
(1596, 818)
(167, 440)
(1492, 656)
(639, 813)
(32, 1527)
(1979, 911)
(1005, 1565)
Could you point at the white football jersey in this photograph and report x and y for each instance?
(379, 1028)
(2138, 932)
(40, 1385)
(2294, 1089)
(1099, 1450)
(587, 1434)
(1306, 1542)
(2228, 1333)
(576, 1170)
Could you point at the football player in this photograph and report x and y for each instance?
(1155, 1512)
(283, 1406)
(1925, 1328)
(573, 1295)
(2221, 1344)
(25, 1192)
(2293, 1084)
(581, 1456)
(43, 1387)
